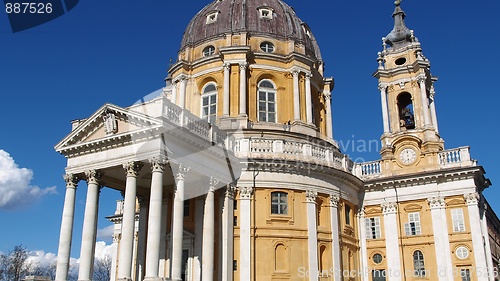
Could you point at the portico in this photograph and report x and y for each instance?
(156, 158)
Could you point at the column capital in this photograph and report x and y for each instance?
(334, 201)
(158, 163)
(214, 181)
(182, 78)
(295, 72)
(133, 168)
(230, 192)
(226, 66)
(246, 192)
(327, 95)
(361, 212)
(183, 170)
(421, 78)
(116, 237)
(93, 177)
(436, 202)
(311, 196)
(382, 87)
(389, 208)
(308, 75)
(243, 65)
(71, 180)
(471, 198)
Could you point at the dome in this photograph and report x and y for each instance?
(268, 18)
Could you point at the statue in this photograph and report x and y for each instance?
(397, 2)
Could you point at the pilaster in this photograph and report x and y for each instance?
(389, 209)
(245, 225)
(441, 238)
(312, 232)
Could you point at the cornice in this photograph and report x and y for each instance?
(417, 179)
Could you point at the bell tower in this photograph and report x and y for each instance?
(411, 138)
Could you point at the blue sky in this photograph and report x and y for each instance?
(119, 51)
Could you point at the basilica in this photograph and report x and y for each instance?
(232, 172)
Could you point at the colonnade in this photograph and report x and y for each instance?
(151, 253)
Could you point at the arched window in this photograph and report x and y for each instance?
(266, 101)
(406, 114)
(418, 264)
(279, 203)
(209, 103)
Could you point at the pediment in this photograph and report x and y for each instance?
(108, 123)
(373, 210)
(455, 202)
(412, 208)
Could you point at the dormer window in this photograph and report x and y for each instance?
(306, 30)
(266, 13)
(267, 47)
(208, 51)
(212, 17)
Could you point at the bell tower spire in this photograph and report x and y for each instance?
(407, 98)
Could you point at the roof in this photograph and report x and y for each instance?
(234, 16)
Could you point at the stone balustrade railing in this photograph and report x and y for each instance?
(292, 150)
(368, 169)
(457, 157)
(200, 127)
(451, 158)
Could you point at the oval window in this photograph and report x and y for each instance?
(400, 61)
(377, 258)
(267, 47)
(208, 51)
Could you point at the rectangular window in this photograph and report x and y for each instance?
(267, 106)
(279, 203)
(209, 108)
(412, 227)
(378, 275)
(457, 216)
(372, 226)
(347, 212)
(465, 274)
(187, 207)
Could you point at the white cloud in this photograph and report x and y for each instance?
(41, 258)
(106, 233)
(15, 188)
(102, 249)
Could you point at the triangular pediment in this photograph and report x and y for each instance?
(108, 123)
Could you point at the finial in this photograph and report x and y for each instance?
(397, 2)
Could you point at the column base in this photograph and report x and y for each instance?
(156, 279)
(125, 279)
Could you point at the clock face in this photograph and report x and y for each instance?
(408, 156)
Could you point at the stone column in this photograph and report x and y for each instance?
(128, 222)
(334, 221)
(391, 240)
(312, 233)
(362, 243)
(243, 88)
(141, 243)
(296, 95)
(472, 200)
(385, 111)
(114, 265)
(433, 109)
(178, 223)
(425, 101)
(163, 242)
(174, 92)
(154, 220)
(228, 234)
(89, 226)
(328, 105)
(227, 67)
(245, 225)
(484, 229)
(182, 94)
(441, 238)
(207, 259)
(65, 236)
(309, 104)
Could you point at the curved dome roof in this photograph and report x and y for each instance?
(233, 16)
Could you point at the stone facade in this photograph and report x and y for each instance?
(232, 172)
